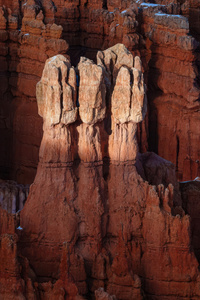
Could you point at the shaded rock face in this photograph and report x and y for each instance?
(190, 191)
(17, 278)
(173, 90)
(90, 220)
(13, 195)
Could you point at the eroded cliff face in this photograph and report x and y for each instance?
(158, 33)
(173, 90)
(25, 44)
(92, 226)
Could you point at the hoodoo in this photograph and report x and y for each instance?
(92, 214)
(89, 227)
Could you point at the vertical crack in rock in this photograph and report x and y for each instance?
(177, 152)
(105, 6)
(61, 92)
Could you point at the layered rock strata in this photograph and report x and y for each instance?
(105, 230)
(94, 25)
(173, 89)
(25, 45)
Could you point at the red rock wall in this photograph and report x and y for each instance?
(173, 91)
(17, 278)
(24, 50)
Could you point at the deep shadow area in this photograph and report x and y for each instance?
(190, 192)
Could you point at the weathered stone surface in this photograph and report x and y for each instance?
(74, 183)
(114, 58)
(17, 278)
(128, 99)
(29, 42)
(56, 94)
(92, 92)
(167, 50)
(173, 88)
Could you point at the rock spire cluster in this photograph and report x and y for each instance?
(102, 221)
(90, 224)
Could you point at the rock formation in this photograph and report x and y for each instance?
(173, 89)
(101, 219)
(104, 240)
(71, 163)
(24, 47)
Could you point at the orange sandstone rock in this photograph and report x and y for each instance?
(28, 47)
(95, 220)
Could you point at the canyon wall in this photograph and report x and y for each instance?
(90, 225)
(25, 45)
(156, 32)
(173, 90)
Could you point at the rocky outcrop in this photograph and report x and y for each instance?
(100, 294)
(105, 231)
(89, 160)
